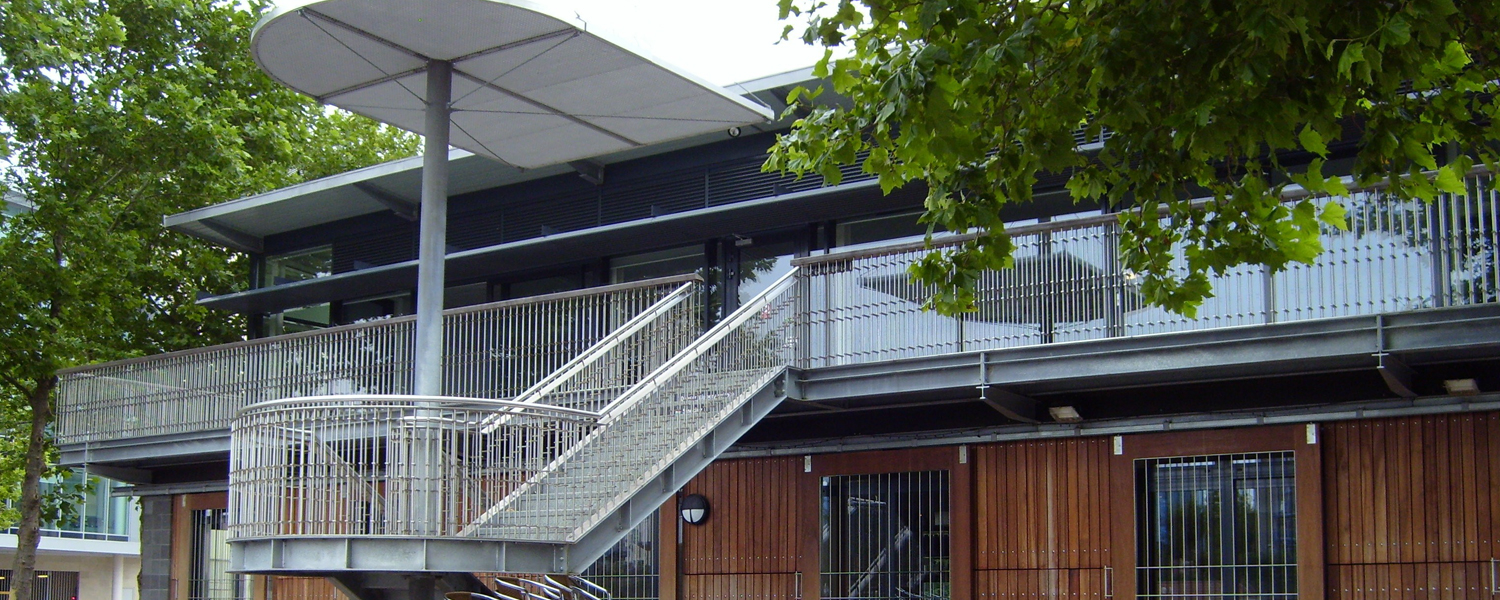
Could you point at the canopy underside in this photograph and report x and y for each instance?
(529, 88)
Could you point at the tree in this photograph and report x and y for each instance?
(114, 113)
(1217, 99)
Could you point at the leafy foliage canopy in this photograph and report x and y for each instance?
(1219, 99)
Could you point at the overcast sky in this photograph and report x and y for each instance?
(723, 41)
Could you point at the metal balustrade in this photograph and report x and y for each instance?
(515, 470)
(1067, 285)
(658, 419)
(370, 465)
(494, 350)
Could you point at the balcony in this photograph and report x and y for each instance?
(1424, 275)
(178, 407)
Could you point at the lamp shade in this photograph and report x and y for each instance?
(694, 509)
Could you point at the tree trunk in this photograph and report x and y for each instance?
(23, 569)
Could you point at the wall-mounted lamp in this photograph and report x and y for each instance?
(1064, 414)
(694, 509)
(1461, 387)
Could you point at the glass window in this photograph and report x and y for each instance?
(94, 514)
(378, 307)
(662, 263)
(762, 264)
(298, 319)
(298, 266)
(885, 536)
(1217, 526)
(879, 230)
(210, 578)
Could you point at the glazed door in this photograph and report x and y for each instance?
(1219, 514)
(889, 526)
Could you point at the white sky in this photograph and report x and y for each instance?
(723, 41)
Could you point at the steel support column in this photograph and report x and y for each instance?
(421, 488)
(427, 372)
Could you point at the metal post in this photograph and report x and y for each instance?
(421, 503)
(427, 372)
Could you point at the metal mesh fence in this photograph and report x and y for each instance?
(1220, 526)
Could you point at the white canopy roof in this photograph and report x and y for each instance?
(531, 86)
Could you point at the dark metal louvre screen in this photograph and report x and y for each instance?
(384, 247)
(726, 182)
(1220, 526)
(644, 198)
(885, 536)
(49, 585)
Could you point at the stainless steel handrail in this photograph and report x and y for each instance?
(652, 382)
(336, 400)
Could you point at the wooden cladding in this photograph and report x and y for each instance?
(1042, 505)
(303, 588)
(757, 513)
(1413, 490)
(1435, 581)
(1084, 584)
(1412, 506)
(740, 586)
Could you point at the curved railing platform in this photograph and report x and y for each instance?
(409, 483)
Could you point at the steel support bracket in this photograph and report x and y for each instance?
(1013, 406)
(1397, 375)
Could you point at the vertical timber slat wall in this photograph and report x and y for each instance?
(1413, 506)
(1042, 519)
(750, 546)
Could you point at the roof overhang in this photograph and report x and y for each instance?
(573, 246)
(244, 223)
(532, 86)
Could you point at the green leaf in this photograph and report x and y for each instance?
(1448, 180)
(1334, 214)
(1312, 141)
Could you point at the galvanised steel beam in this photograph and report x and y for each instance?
(318, 555)
(1299, 347)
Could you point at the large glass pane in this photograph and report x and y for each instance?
(885, 536)
(298, 266)
(545, 285)
(762, 264)
(1222, 526)
(662, 263)
(878, 231)
(376, 308)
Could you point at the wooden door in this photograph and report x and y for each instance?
(1413, 507)
(1042, 521)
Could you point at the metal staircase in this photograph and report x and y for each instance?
(545, 482)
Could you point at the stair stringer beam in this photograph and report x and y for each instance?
(315, 556)
(625, 516)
